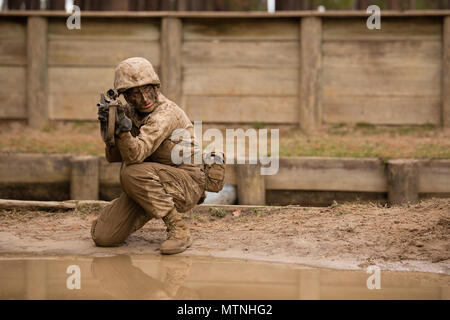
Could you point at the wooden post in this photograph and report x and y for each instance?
(250, 184)
(182, 5)
(171, 35)
(403, 181)
(310, 68)
(84, 180)
(37, 72)
(446, 74)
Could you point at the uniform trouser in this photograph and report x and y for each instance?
(151, 190)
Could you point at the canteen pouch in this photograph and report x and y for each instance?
(214, 168)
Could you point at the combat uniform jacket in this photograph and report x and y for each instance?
(151, 141)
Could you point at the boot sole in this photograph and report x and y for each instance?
(177, 251)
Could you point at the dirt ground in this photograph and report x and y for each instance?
(342, 236)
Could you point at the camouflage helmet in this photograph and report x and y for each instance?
(134, 72)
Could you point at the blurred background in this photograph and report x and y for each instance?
(312, 69)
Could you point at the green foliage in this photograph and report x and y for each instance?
(334, 204)
(49, 128)
(365, 126)
(217, 212)
(258, 125)
(256, 212)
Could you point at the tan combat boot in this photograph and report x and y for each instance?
(178, 235)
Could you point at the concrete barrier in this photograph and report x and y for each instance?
(30, 172)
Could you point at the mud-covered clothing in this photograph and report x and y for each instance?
(152, 183)
(151, 135)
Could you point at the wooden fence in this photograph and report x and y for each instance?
(296, 68)
(63, 177)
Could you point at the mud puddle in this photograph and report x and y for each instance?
(190, 277)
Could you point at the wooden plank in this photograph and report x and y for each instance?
(68, 52)
(74, 92)
(240, 81)
(310, 104)
(12, 92)
(382, 80)
(230, 174)
(261, 54)
(391, 29)
(106, 29)
(36, 205)
(434, 176)
(77, 79)
(251, 189)
(225, 14)
(446, 74)
(109, 173)
(37, 72)
(384, 54)
(73, 106)
(13, 44)
(34, 168)
(332, 174)
(382, 110)
(13, 52)
(171, 34)
(84, 178)
(340, 174)
(13, 29)
(243, 109)
(240, 29)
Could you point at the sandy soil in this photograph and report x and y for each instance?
(347, 236)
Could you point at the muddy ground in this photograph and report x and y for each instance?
(343, 236)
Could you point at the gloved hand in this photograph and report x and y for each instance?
(102, 114)
(123, 123)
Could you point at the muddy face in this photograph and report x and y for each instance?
(142, 98)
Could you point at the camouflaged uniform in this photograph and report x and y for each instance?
(153, 185)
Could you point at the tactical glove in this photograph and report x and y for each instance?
(123, 123)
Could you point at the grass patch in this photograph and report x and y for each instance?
(217, 212)
(361, 140)
(365, 126)
(258, 125)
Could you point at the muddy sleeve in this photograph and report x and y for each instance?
(152, 134)
(112, 154)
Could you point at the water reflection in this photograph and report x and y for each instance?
(184, 277)
(122, 280)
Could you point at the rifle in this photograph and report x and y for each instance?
(112, 106)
